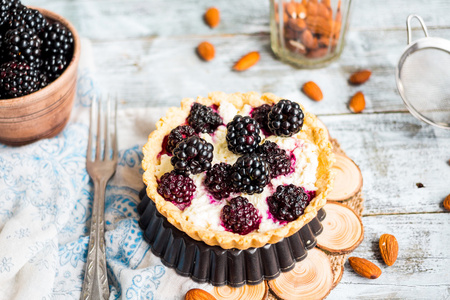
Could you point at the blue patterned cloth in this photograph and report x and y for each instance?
(45, 212)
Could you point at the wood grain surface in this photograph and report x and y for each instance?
(145, 51)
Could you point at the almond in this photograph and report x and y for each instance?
(246, 61)
(364, 267)
(291, 10)
(311, 9)
(308, 39)
(297, 24)
(320, 25)
(212, 17)
(323, 10)
(312, 90)
(338, 17)
(198, 294)
(357, 103)
(316, 53)
(360, 77)
(388, 248)
(447, 203)
(206, 51)
(301, 10)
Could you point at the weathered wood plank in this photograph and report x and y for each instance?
(421, 270)
(104, 19)
(161, 71)
(395, 152)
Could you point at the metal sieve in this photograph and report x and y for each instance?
(423, 77)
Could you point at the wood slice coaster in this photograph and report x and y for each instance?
(342, 229)
(247, 292)
(348, 180)
(311, 278)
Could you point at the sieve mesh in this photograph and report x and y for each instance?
(425, 76)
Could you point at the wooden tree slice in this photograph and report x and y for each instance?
(342, 229)
(338, 276)
(348, 180)
(311, 278)
(250, 292)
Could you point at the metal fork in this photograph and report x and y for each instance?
(101, 169)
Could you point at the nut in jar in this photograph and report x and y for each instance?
(308, 32)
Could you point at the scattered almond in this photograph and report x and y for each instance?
(364, 267)
(447, 203)
(246, 61)
(388, 248)
(357, 103)
(212, 17)
(206, 51)
(198, 294)
(312, 90)
(360, 77)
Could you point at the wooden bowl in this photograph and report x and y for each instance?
(44, 113)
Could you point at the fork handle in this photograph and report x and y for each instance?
(95, 284)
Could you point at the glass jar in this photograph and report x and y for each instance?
(308, 33)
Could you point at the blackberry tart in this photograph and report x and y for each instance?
(249, 169)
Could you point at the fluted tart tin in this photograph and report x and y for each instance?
(215, 265)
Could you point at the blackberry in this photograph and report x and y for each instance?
(54, 65)
(43, 80)
(192, 156)
(57, 39)
(261, 115)
(250, 174)
(23, 44)
(279, 162)
(288, 202)
(240, 216)
(203, 118)
(15, 5)
(178, 134)
(176, 188)
(217, 181)
(285, 118)
(27, 17)
(5, 6)
(243, 135)
(18, 79)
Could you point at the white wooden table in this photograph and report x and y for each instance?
(145, 50)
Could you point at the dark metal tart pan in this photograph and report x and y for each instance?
(212, 264)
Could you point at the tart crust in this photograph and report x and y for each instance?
(311, 131)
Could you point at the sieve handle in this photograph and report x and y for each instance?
(408, 26)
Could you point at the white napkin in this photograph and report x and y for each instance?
(45, 210)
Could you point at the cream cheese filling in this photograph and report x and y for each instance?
(204, 210)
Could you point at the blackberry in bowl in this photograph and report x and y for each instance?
(38, 107)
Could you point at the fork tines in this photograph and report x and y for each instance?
(100, 122)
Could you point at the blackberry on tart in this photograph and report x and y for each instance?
(243, 135)
(285, 118)
(203, 118)
(250, 174)
(192, 156)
